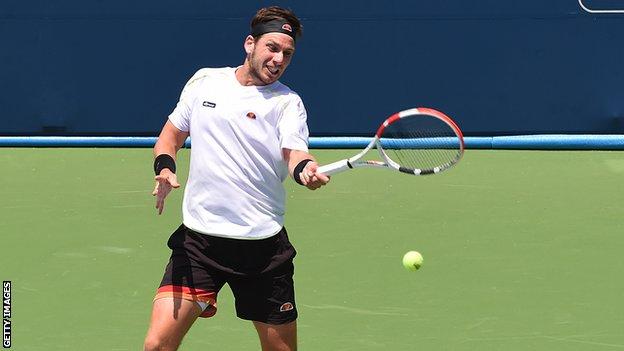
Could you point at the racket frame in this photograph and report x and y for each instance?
(388, 163)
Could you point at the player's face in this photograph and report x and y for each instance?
(269, 56)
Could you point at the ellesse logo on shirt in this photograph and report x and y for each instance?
(209, 104)
(251, 115)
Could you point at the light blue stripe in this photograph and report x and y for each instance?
(538, 142)
(558, 142)
(53, 141)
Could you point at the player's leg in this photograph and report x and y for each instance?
(277, 337)
(268, 298)
(171, 320)
(187, 291)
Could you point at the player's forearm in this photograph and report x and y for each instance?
(164, 147)
(169, 141)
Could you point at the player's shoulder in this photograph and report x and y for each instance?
(285, 92)
(208, 73)
(288, 99)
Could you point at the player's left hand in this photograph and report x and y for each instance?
(311, 179)
(165, 182)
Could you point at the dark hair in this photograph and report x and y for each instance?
(271, 13)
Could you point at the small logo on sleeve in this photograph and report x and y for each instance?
(209, 104)
(287, 306)
(251, 115)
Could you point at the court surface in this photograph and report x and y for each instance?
(523, 251)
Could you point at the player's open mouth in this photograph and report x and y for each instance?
(273, 71)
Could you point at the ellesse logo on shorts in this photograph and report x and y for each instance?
(287, 306)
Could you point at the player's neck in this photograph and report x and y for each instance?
(245, 78)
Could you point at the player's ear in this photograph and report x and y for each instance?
(250, 42)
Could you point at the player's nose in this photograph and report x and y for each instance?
(278, 57)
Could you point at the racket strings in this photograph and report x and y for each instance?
(416, 151)
(421, 143)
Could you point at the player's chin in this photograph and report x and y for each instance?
(272, 80)
(270, 77)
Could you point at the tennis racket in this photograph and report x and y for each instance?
(418, 141)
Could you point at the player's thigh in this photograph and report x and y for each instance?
(267, 298)
(277, 337)
(171, 320)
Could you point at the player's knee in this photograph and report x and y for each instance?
(281, 346)
(153, 343)
(281, 343)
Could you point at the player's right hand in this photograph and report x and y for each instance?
(165, 181)
(311, 179)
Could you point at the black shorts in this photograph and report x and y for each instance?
(259, 272)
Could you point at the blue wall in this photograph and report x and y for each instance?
(92, 67)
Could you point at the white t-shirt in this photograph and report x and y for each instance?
(235, 180)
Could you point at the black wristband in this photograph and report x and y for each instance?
(163, 161)
(298, 169)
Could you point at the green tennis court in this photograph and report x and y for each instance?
(523, 251)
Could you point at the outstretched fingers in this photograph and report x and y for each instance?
(164, 183)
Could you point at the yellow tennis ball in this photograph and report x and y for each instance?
(412, 260)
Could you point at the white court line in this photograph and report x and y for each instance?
(587, 9)
(354, 310)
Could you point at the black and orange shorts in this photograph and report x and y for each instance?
(259, 272)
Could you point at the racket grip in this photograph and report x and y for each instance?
(335, 167)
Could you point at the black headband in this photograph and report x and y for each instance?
(277, 26)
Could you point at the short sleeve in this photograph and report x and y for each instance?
(181, 115)
(293, 127)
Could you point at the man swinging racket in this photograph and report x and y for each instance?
(249, 133)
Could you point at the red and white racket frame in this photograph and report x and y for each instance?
(355, 161)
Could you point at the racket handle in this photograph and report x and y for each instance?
(335, 167)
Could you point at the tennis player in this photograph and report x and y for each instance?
(249, 133)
